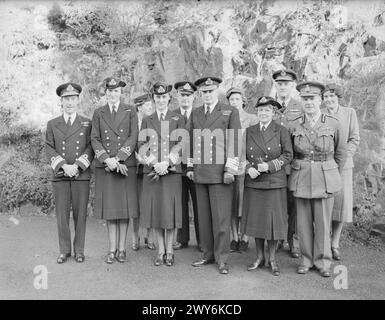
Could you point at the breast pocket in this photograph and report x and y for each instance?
(300, 142)
(324, 141)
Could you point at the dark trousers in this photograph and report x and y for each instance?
(214, 215)
(188, 188)
(77, 194)
(292, 234)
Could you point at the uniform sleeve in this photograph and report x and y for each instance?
(55, 159)
(84, 161)
(339, 147)
(96, 139)
(130, 144)
(234, 144)
(286, 155)
(353, 135)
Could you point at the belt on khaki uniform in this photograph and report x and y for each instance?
(314, 156)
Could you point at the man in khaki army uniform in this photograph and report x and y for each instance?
(319, 156)
(284, 82)
(215, 161)
(68, 146)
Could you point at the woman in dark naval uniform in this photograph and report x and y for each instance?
(159, 151)
(114, 138)
(268, 151)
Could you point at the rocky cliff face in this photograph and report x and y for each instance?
(241, 41)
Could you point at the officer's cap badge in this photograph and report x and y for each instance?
(263, 100)
(112, 82)
(187, 86)
(69, 88)
(161, 89)
(209, 81)
(283, 73)
(307, 88)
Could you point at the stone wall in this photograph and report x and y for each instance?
(240, 41)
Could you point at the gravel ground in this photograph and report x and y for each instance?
(30, 241)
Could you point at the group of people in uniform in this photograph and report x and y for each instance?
(282, 174)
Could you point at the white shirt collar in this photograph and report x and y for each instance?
(287, 101)
(117, 105)
(164, 112)
(264, 125)
(66, 116)
(212, 106)
(189, 110)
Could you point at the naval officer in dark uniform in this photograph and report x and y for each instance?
(68, 147)
(186, 96)
(214, 130)
(114, 138)
(284, 83)
(268, 151)
(319, 157)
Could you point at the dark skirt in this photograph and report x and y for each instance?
(264, 213)
(161, 202)
(116, 196)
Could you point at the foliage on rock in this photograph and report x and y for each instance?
(241, 41)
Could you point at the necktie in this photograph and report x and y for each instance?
(113, 113)
(69, 122)
(185, 116)
(207, 113)
(162, 117)
(283, 105)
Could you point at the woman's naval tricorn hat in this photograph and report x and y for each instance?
(160, 88)
(113, 83)
(266, 100)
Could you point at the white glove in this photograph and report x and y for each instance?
(253, 173)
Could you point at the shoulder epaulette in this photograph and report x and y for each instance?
(329, 115)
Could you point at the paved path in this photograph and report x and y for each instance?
(33, 242)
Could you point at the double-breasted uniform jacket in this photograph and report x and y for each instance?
(156, 144)
(69, 146)
(115, 138)
(319, 156)
(216, 150)
(275, 149)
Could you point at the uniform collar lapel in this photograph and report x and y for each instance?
(201, 115)
(120, 115)
(106, 115)
(214, 115)
(74, 128)
(256, 135)
(61, 125)
(271, 131)
(155, 122)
